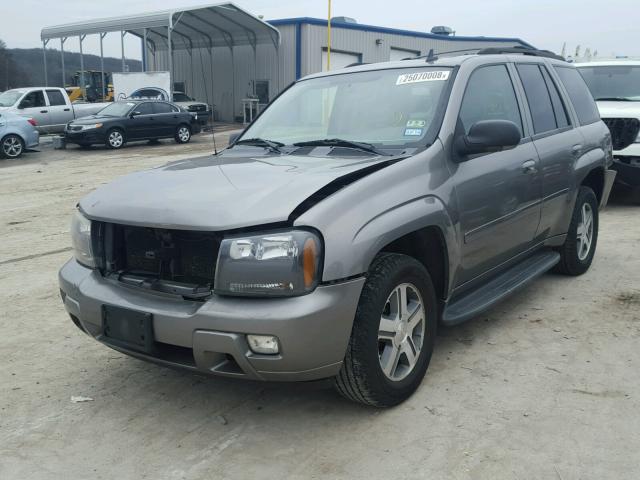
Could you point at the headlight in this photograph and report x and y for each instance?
(91, 127)
(81, 240)
(275, 264)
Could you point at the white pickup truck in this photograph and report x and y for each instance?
(50, 107)
(615, 85)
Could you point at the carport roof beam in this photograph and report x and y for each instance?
(226, 26)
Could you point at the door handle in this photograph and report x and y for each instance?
(576, 150)
(529, 167)
(44, 111)
(67, 109)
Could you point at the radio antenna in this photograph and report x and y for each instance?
(213, 136)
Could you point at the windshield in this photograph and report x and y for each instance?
(118, 109)
(10, 97)
(621, 82)
(383, 108)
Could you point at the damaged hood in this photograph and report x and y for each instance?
(229, 191)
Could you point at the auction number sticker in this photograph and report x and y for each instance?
(431, 76)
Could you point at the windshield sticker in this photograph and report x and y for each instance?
(432, 76)
(416, 124)
(413, 132)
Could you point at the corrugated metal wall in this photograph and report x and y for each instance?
(217, 85)
(314, 39)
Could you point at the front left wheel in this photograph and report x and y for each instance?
(11, 146)
(393, 333)
(183, 134)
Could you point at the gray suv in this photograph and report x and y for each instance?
(363, 208)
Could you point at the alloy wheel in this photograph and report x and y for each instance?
(401, 332)
(116, 139)
(12, 146)
(584, 237)
(184, 134)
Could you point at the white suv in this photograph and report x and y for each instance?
(615, 85)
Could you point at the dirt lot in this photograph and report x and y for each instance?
(546, 385)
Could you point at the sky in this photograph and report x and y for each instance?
(612, 27)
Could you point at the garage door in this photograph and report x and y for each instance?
(339, 59)
(397, 54)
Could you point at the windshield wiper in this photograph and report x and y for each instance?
(339, 142)
(261, 142)
(613, 99)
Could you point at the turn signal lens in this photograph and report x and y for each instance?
(309, 262)
(32, 122)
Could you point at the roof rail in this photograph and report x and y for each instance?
(521, 50)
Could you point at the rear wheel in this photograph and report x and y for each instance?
(183, 134)
(11, 146)
(393, 333)
(579, 248)
(115, 138)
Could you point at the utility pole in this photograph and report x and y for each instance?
(329, 38)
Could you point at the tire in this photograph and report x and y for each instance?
(11, 146)
(115, 139)
(183, 134)
(361, 377)
(578, 250)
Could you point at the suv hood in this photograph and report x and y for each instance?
(232, 190)
(610, 109)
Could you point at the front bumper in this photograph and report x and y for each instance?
(313, 330)
(628, 169)
(86, 137)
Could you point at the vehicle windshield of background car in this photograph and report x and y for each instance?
(10, 97)
(118, 109)
(384, 108)
(613, 82)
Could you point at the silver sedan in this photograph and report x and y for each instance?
(16, 135)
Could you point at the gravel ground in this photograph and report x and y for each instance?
(545, 385)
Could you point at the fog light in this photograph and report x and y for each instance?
(264, 344)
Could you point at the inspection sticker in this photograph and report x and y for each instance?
(416, 123)
(431, 76)
(413, 132)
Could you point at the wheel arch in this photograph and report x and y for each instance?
(595, 179)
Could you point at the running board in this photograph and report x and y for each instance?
(517, 277)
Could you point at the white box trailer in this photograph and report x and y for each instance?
(126, 83)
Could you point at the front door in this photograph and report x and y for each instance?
(498, 193)
(142, 125)
(33, 105)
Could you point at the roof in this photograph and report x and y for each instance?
(393, 31)
(214, 25)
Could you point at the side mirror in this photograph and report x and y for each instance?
(233, 137)
(135, 114)
(488, 136)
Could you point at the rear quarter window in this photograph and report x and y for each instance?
(579, 94)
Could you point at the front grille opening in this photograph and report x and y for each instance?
(624, 131)
(174, 261)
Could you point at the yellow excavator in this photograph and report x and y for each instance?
(92, 91)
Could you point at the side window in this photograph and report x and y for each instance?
(55, 98)
(33, 99)
(489, 96)
(161, 107)
(579, 94)
(144, 109)
(538, 98)
(562, 119)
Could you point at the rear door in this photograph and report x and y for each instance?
(166, 119)
(59, 112)
(34, 105)
(557, 141)
(142, 125)
(498, 193)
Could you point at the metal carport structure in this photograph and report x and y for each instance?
(203, 27)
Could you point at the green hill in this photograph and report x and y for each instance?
(21, 67)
